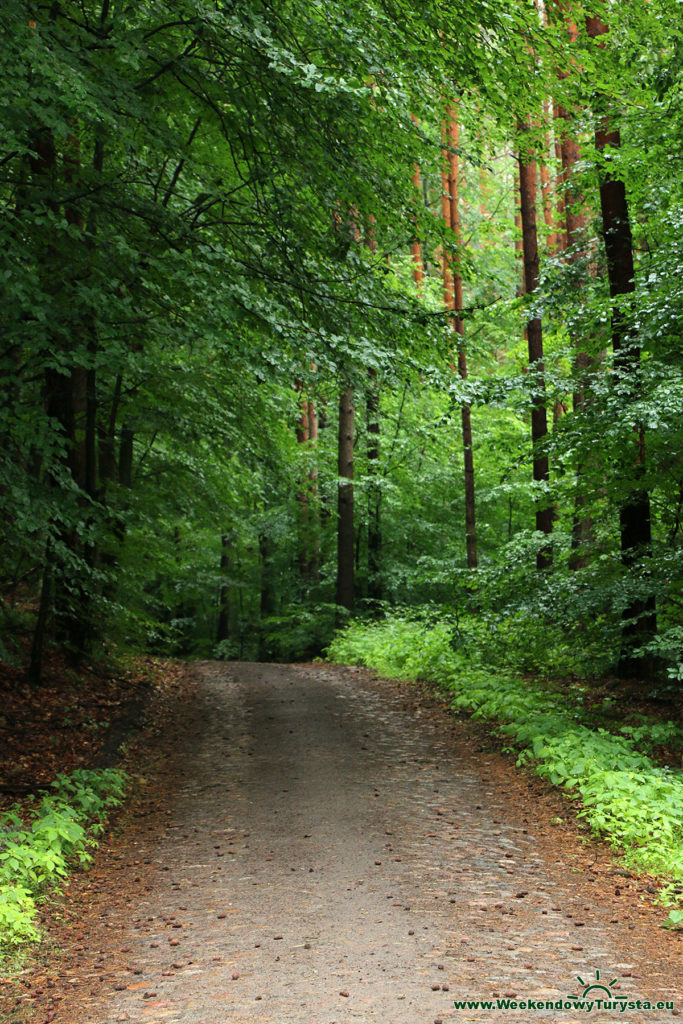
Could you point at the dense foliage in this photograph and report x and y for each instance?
(625, 796)
(213, 215)
(40, 848)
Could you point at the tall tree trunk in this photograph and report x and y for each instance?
(539, 424)
(308, 519)
(375, 589)
(345, 536)
(106, 438)
(43, 168)
(63, 588)
(465, 411)
(267, 596)
(35, 669)
(223, 625)
(314, 513)
(415, 251)
(302, 492)
(573, 211)
(560, 223)
(126, 439)
(74, 596)
(519, 240)
(640, 617)
(546, 186)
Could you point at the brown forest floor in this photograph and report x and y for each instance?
(314, 845)
(75, 719)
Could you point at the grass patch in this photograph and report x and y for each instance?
(625, 797)
(41, 846)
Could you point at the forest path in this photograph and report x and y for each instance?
(320, 847)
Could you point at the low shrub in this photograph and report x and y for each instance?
(38, 850)
(635, 804)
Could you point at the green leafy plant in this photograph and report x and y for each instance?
(59, 834)
(635, 804)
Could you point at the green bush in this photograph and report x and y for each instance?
(625, 797)
(36, 855)
(299, 633)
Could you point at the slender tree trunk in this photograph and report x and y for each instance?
(106, 436)
(484, 211)
(302, 493)
(74, 596)
(519, 241)
(575, 222)
(314, 513)
(640, 617)
(63, 587)
(70, 400)
(375, 589)
(126, 455)
(223, 625)
(345, 535)
(459, 327)
(43, 167)
(415, 251)
(267, 599)
(539, 424)
(35, 670)
(546, 187)
(560, 223)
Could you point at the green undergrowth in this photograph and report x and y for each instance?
(628, 799)
(41, 846)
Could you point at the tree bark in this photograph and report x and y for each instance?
(314, 514)
(375, 589)
(575, 222)
(43, 168)
(518, 239)
(223, 625)
(267, 598)
(35, 669)
(539, 423)
(546, 188)
(459, 326)
(302, 492)
(415, 250)
(345, 536)
(126, 455)
(64, 588)
(640, 617)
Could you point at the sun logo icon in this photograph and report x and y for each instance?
(593, 987)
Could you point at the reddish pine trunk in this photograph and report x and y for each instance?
(415, 251)
(539, 424)
(518, 242)
(345, 536)
(546, 189)
(560, 224)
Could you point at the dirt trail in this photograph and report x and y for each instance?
(322, 848)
